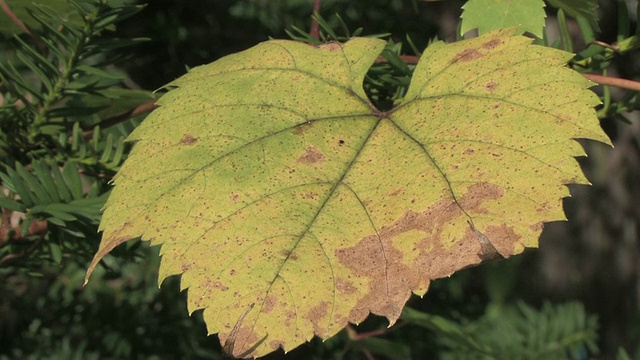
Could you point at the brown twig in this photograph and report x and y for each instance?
(7, 10)
(315, 27)
(364, 335)
(613, 81)
(27, 252)
(138, 110)
(37, 227)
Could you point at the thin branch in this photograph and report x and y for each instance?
(315, 27)
(13, 17)
(27, 252)
(9, 233)
(364, 335)
(613, 81)
(138, 110)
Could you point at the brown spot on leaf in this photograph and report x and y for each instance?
(220, 286)
(468, 55)
(311, 156)
(188, 139)
(503, 238)
(234, 197)
(492, 44)
(492, 85)
(269, 304)
(468, 152)
(318, 314)
(185, 267)
(301, 129)
(289, 255)
(345, 287)
(496, 105)
(539, 226)
(289, 316)
(332, 46)
(274, 344)
(311, 196)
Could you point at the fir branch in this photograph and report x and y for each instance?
(56, 93)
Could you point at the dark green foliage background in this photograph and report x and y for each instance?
(594, 259)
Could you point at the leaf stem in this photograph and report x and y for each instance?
(138, 110)
(315, 28)
(613, 81)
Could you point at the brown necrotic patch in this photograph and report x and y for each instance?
(503, 238)
(391, 280)
(219, 285)
(311, 156)
(302, 128)
(269, 304)
(311, 196)
(188, 139)
(468, 55)
(492, 85)
(318, 316)
(345, 286)
(289, 255)
(492, 44)
(332, 46)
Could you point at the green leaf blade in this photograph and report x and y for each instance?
(489, 15)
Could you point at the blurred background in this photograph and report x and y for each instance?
(592, 259)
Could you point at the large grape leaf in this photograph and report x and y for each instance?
(488, 15)
(292, 206)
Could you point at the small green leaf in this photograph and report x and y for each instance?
(43, 173)
(19, 187)
(73, 180)
(488, 15)
(13, 205)
(55, 251)
(585, 8)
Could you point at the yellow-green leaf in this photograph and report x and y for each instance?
(291, 206)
